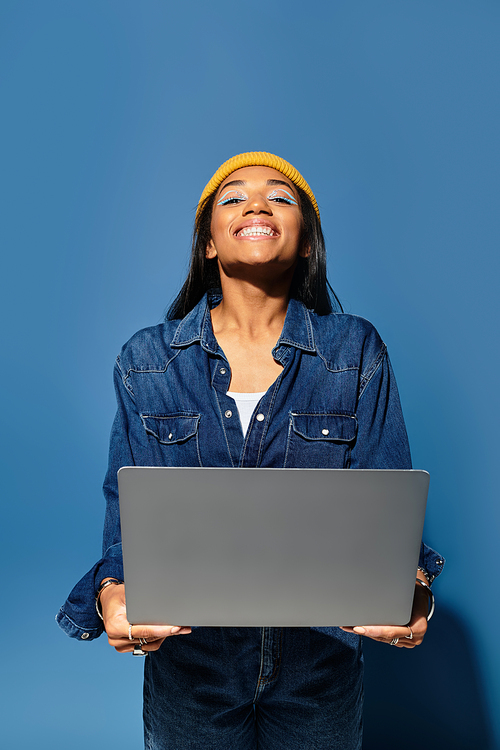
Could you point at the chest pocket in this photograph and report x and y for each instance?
(321, 441)
(173, 438)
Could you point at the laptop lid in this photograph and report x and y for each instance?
(270, 547)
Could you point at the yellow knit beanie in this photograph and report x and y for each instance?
(255, 159)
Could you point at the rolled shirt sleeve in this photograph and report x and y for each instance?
(382, 440)
(78, 616)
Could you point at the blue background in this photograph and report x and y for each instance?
(115, 115)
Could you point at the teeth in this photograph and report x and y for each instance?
(255, 230)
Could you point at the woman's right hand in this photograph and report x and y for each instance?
(114, 614)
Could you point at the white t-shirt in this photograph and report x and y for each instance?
(246, 403)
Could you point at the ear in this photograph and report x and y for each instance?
(305, 250)
(210, 252)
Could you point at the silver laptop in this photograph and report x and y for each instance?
(270, 547)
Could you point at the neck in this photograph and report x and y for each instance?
(250, 309)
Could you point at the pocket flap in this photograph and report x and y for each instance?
(340, 427)
(171, 428)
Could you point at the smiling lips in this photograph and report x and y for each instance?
(257, 230)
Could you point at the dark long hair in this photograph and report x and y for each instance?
(309, 282)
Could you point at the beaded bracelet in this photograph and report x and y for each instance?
(109, 582)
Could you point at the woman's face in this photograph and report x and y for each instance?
(256, 222)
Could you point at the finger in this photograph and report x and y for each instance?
(154, 637)
(387, 634)
(153, 632)
(381, 632)
(125, 646)
(151, 641)
(119, 627)
(130, 647)
(153, 646)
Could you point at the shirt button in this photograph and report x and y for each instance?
(260, 417)
(439, 562)
(170, 436)
(325, 432)
(228, 413)
(222, 370)
(85, 636)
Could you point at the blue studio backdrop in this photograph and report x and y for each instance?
(115, 114)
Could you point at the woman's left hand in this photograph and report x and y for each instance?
(416, 627)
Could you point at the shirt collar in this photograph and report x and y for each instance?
(197, 327)
(297, 331)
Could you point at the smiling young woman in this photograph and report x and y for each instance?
(254, 339)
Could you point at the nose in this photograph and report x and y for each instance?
(257, 204)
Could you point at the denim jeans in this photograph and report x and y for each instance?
(254, 688)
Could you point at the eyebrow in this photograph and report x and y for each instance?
(242, 182)
(279, 182)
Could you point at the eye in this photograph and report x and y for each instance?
(231, 197)
(282, 196)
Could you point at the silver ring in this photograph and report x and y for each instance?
(138, 651)
(142, 641)
(394, 641)
(130, 633)
(410, 637)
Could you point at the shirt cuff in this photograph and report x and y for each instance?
(78, 616)
(431, 561)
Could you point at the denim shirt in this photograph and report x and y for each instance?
(334, 405)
